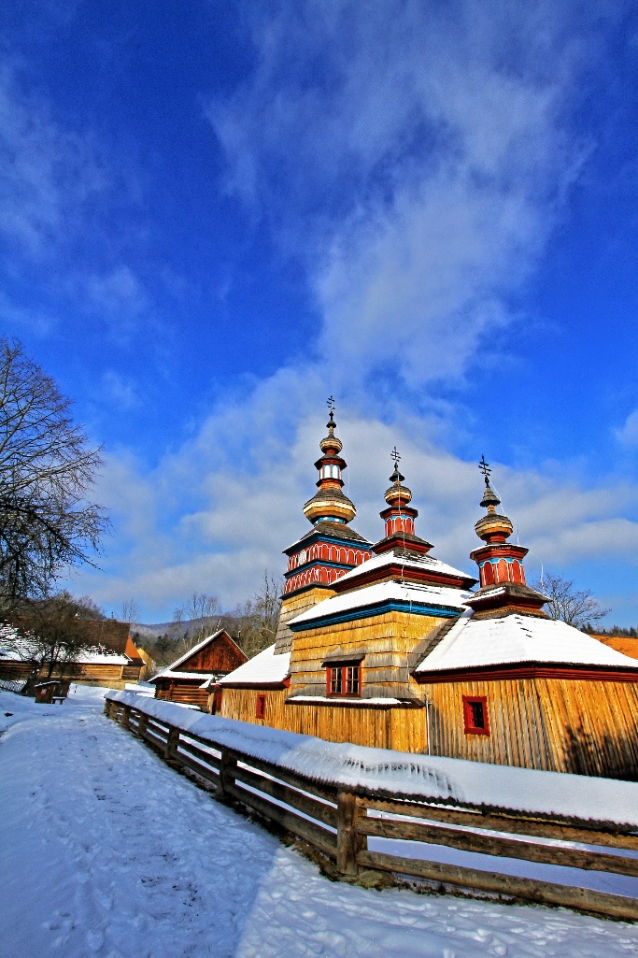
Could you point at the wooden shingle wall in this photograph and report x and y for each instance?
(294, 605)
(388, 641)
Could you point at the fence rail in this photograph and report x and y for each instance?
(338, 821)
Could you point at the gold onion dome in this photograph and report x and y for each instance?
(331, 441)
(397, 491)
(492, 527)
(329, 504)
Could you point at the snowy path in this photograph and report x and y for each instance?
(107, 852)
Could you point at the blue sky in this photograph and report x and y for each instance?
(213, 215)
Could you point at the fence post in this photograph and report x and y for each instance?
(125, 715)
(108, 705)
(350, 809)
(228, 766)
(142, 724)
(172, 742)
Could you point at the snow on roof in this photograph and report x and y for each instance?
(515, 639)
(171, 670)
(453, 780)
(422, 562)
(17, 647)
(408, 592)
(264, 669)
(100, 656)
(169, 673)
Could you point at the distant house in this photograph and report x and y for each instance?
(190, 679)
(109, 659)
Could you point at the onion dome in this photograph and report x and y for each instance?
(502, 576)
(492, 527)
(329, 504)
(399, 517)
(397, 493)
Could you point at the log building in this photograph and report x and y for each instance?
(191, 678)
(109, 658)
(387, 646)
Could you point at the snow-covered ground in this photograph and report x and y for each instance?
(107, 852)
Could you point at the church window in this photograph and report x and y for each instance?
(330, 472)
(475, 715)
(260, 711)
(344, 680)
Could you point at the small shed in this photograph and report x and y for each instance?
(190, 677)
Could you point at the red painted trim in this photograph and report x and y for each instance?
(404, 572)
(260, 708)
(341, 667)
(470, 728)
(527, 671)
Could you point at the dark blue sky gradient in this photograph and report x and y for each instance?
(161, 291)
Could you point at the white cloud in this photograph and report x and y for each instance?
(221, 509)
(47, 174)
(117, 297)
(119, 390)
(417, 156)
(628, 435)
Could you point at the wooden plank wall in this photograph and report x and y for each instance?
(185, 692)
(560, 725)
(400, 729)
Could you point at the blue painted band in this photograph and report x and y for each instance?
(378, 608)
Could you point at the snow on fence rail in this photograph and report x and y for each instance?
(336, 797)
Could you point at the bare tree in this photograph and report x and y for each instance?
(576, 607)
(259, 618)
(46, 470)
(130, 611)
(52, 634)
(197, 618)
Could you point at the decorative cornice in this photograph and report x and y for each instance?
(527, 670)
(374, 609)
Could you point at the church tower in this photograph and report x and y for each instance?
(503, 589)
(330, 549)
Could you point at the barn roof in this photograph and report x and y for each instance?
(517, 640)
(264, 669)
(173, 670)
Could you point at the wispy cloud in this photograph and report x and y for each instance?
(628, 434)
(219, 510)
(421, 153)
(48, 174)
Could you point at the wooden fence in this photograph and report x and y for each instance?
(338, 821)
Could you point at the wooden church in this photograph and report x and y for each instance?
(385, 645)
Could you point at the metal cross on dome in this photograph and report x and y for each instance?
(331, 403)
(485, 469)
(394, 455)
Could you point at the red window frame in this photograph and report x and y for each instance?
(343, 680)
(260, 707)
(471, 713)
(217, 700)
